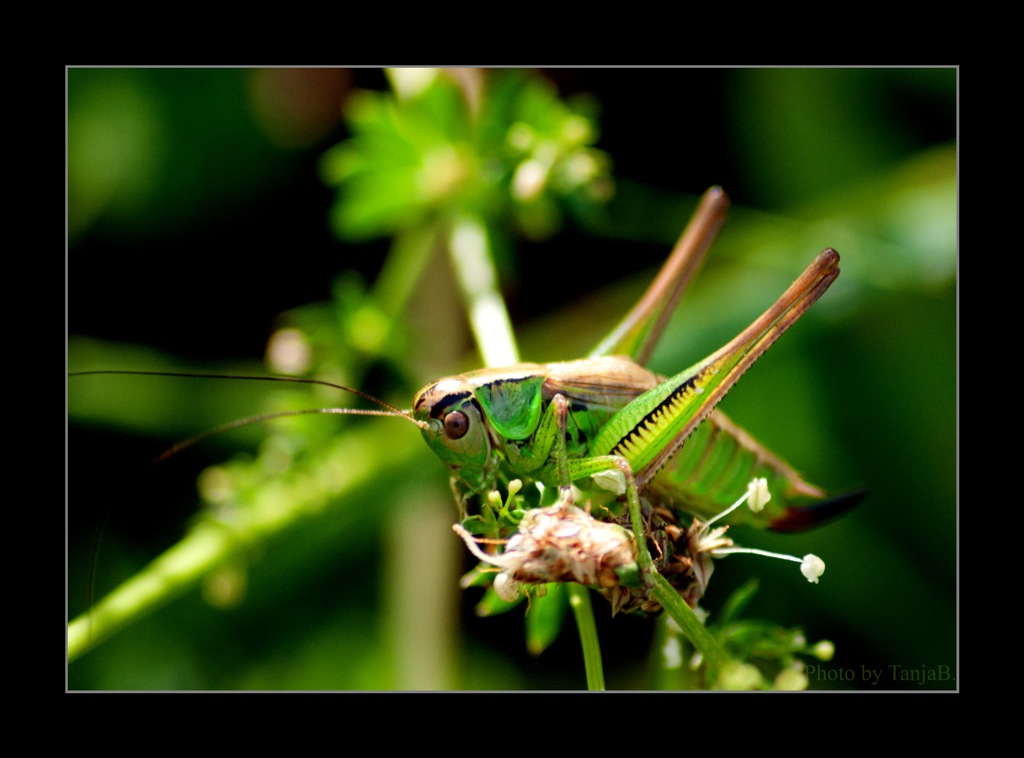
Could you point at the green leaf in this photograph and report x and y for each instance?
(737, 602)
(545, 618)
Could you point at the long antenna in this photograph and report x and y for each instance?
(389, 410)
(253, 378)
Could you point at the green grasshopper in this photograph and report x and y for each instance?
(604, 432)
(604, 429)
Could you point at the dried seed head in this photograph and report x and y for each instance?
(561, 543)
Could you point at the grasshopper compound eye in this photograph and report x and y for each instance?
(456, 424)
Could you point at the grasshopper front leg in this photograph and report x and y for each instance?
(626, 484)
(549, 450)
(546, 444)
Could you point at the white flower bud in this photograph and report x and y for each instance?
(758, 494)
(812, 567)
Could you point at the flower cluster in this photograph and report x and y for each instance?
(715, 544)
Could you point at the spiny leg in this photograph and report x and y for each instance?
(550, 442)
(582, 467)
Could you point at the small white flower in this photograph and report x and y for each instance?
(824, 650)
(812, 567)
(758, 494)
(705, 541)
(506, 587)
(791, 680)
(612, 480)
(716, 544)
(529, 180)
(672, 652)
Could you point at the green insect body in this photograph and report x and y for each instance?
(499, 424)
(494, 425)
(620, 433)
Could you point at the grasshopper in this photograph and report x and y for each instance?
(604, 429)
(637, 449)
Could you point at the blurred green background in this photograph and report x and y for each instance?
(200, 207)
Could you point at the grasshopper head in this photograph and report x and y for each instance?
(455, 429)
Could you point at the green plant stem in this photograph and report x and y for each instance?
(474, 268)
(167, 577)
(212, 544)
(492, 328)
(714, 654)
(579, 601)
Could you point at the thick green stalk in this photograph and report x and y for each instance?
(167, 577)
(474, 268)
(579, 601)
(714, 654)
(213, 544)
(492, 328)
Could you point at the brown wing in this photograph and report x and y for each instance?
(603, 384)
